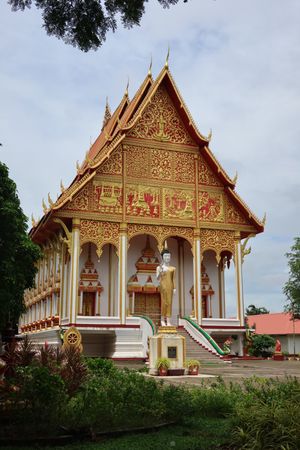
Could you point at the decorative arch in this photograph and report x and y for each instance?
(161, 233)
(99, 233)
(217, 241)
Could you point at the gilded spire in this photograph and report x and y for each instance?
(62, 188)
(167, 58)
(126, 91)
(107, 114)
(150, 68)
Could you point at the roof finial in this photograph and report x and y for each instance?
(107, 114)
(150, 68)
(78, 166)
(45, 209)
(167, 58)
(62, 188)
(126, 91)
(51, 203)
(33, 221)
(264, 219)
(235, 177)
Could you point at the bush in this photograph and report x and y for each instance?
(36, 402)
(262, 345)
(268, 415)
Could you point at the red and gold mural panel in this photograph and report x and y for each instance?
(179, 204)
(142, 201)
(108, 197)
(211, 206)
(160, 121)
(206, 175)
(113, 165)
(233, 215)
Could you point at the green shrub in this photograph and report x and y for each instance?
(100, 366)
(262, 345)
(37, 401)
(268, 415)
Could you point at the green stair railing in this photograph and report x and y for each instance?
(207, 336)
(148, 320)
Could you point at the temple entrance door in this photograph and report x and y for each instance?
(148, 304)
(204, 306)
(88, 304)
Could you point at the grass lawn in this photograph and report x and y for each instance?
(198, 434)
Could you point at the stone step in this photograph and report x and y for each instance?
(194, 350)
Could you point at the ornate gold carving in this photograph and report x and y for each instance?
(160, 232)
(72, 338)
(81, 201)
(178, 203)
(211, 206)
(184, 171)
(206, 175)
(68, 239)
(233, 215)
(161, 164)
(169, 126)
(108, 197)
(246, 251)
(218, 241)
(142, 201)
(113, 164)
(137, 161)
(99, 233)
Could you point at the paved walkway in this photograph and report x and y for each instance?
(241, 369)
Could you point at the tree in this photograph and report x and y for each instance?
(253, 310)
(18, 254)
(85, 23)
(292, 286)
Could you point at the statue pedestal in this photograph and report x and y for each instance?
(167, 343)
(278, 356)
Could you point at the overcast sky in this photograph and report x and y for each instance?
(237, 65)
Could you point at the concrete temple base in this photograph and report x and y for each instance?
(167, 343)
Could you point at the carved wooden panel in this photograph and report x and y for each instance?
(206, 175)
(211, 206)
(233, 215)
(161, 121)
(107, 197)
(142, 201)
(112, 165)
(80, 201)
(179, 204)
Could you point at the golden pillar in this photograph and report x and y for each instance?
(239, 278)
(197, 276)
(122, 282)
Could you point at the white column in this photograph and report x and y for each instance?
(197, 277)
(239, 280)
(181, 290)
(122, 282)
(74, 270)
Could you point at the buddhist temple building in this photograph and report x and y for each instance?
(149, 180)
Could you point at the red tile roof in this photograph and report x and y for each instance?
(277, 323)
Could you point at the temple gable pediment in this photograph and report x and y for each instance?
(160, 121)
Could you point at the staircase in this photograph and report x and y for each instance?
(194, 350)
